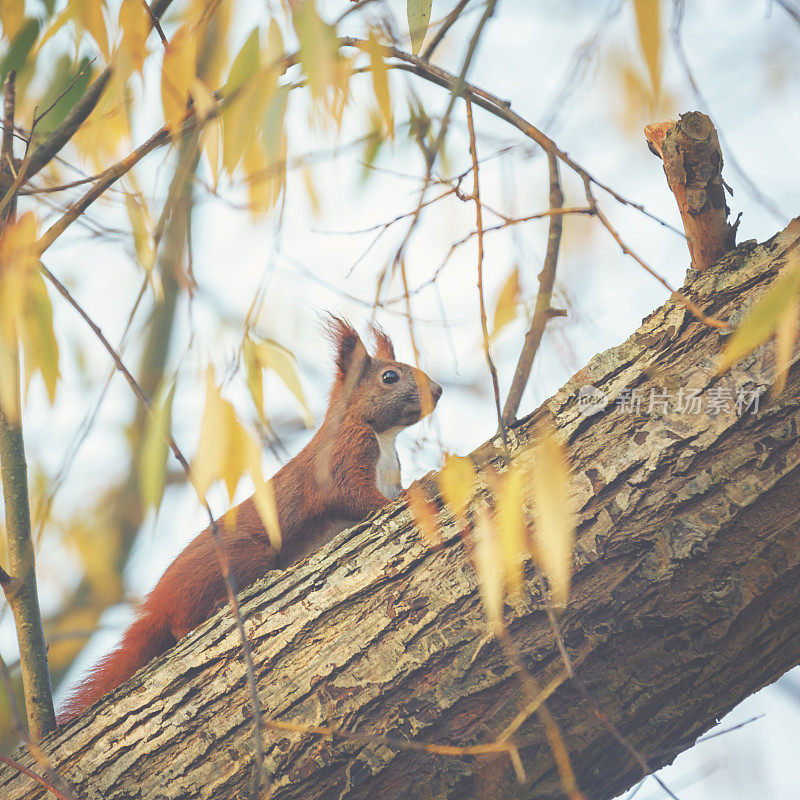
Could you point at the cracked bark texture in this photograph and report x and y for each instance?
(685, 599)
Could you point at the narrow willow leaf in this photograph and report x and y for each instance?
(283, 363)
(419, 15)
(555, 527)
(785, 339)
(141, 235)
(135, 24)
(17, 54)
(177, 77)
(253, 375)
(510, 525)
(264, 499)
(457, 483)
(424, 512)
(245, 64)
(319, 47)
(155, 451)
(648, 24)
(507, 302)
(489, 568)
(39, 338)
(12, 13)
(762, 322)
(210, 142)
(380, 82)
(89, 16)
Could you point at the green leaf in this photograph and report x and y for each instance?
(20, 48)
(419, 15)
(274, 125)
(155, 451)
(245, 64)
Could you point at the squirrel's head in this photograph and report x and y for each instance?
(383, 392)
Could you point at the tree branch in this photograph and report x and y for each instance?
(542, 311)
(20, 590)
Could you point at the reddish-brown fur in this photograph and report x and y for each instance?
(329, 485)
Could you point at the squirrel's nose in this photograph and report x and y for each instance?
(436, 391)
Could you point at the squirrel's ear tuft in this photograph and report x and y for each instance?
(350, 350)
(383, 344)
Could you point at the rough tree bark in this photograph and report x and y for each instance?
(685, 599)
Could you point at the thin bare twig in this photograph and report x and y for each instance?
(541, 313)
(156, 24)
(601, 715)
(476, 195)
(681, 298)
(31, 774)
(502, 110)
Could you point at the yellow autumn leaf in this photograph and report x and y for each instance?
(380, 81)
(510, 525)
(424, 512)
(785, 339)
(457, 483)
(178, 73)
(38, 337)
(139, 219)
(99, 138)
(271, 355)
(648, 25)
(227, 451)
(764, 318)
(319, 48)
(264, 498)
(213, 437)
(507, 302)
(18, 262)
(12, 12)
(88, 15)
(134, 21)
(210, 143)
(26, 315)
(489, 568)
(554, 532)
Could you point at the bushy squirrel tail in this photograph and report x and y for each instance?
(147, 637)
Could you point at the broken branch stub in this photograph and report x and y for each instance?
(690, 151)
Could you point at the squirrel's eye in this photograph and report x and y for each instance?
(390, 376)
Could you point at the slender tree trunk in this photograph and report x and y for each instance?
(685, 599)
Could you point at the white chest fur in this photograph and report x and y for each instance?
(387, 470)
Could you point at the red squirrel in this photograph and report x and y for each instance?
(348, 471)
